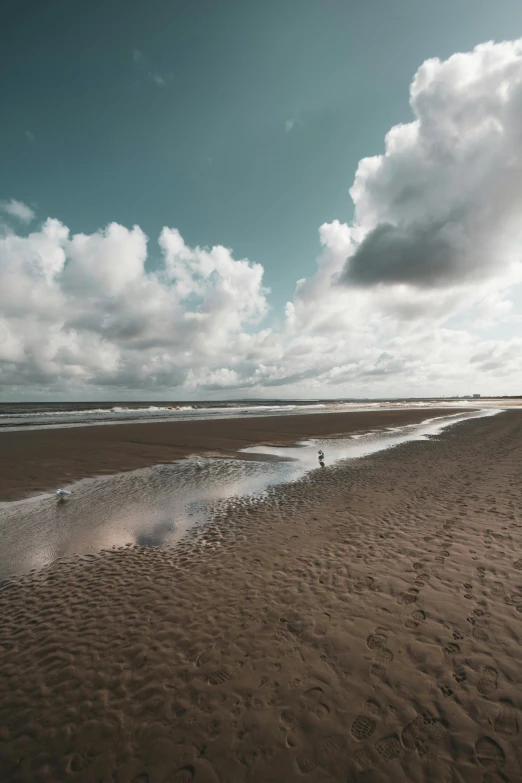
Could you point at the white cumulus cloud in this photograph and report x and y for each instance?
(442, 204)
(83, 310)
(421, 293)
(18, 210)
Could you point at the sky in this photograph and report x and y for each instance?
(205, 200)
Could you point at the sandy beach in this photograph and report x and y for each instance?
(363, 624)
(38, 460)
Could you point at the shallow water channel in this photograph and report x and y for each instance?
(156, 506)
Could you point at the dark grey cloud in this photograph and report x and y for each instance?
(420, 254)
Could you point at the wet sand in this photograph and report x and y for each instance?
(38, 460)
(363, 624)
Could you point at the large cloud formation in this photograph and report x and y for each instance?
(418, 295)
(443, 204)
(82, 309)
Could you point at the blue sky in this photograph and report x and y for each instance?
(207, 150)
(238, 123)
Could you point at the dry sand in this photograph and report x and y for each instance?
(37, 460)
(361, 625)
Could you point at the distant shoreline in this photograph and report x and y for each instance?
(22, 416)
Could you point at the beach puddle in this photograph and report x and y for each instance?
(157, 506)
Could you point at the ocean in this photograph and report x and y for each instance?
(38, 415)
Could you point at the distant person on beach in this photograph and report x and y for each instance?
(321, 458)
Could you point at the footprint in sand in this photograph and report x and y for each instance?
(363, 759)
(409, 597)
(488, 681)
(184, 775)
(364, 725)
(421, 732)
(314, 700)
(383, 655)
(331, 750)
(313, 694)
(366, 583)
(291, 617)
(388, 747)
(294, 621)
(376, 670)
(78, 762)
(415, 619)
(322, 624)
(292, 740)
(451, 648)
(513, 599)
(306, 764)
(290, 718)
(376, 641)
(332, 746)
(218, 677)
(489, 753)
(506, 723)
(480, 634)
(372, 707)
